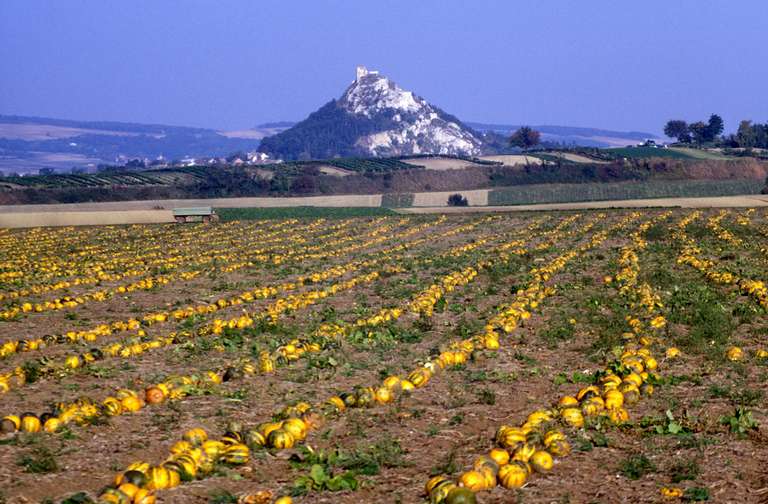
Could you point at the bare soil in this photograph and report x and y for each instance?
(443, 427)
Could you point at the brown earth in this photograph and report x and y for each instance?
(251, 182)
(446, 425)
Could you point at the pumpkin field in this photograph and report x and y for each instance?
(560, 357)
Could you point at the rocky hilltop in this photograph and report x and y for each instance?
(375, 117)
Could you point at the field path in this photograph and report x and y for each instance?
(750, 200)
(159, 211)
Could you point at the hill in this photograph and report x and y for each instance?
(30, 143)
(573, 135)
(374, 117)
(395, 177)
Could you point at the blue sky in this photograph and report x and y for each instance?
(235, 63)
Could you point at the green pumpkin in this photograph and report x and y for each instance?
(254, 438)
(461, 495)
(137, 478)
(236, 454)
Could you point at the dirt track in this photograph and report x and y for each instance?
(750, 200)
(157, 211)
(85, 218)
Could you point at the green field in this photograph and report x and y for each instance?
(302, 212)
(700, 154)
(564, 193)
(648, 152)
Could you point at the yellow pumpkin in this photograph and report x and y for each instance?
(631, 393)
(154, 395)
(384, 395)
(618, 415)
(433, 482)
(181, 447)
(510, 437)
(524, 452)
(280, 439)
(572, 417)
(440, 493)
(613, 399)
(174, 478)
(266, 364)
(131, 403)
(132, 476)
(593, 406)
(144, 496)
(185, 465)
(541, 461)
(10, 423)
(52, 425)
(337, 402)
(491, 343)
(296, 427)
(587, 392)
(159, 478)
(268, 427)
(254, 438)
(559, 447)
(734, 354)
(671, 492)
(72, 362)
(419, 377)
(474, 480)
(128, 489)
(632, 378)
(552, 436)
(195, 436)
(512, 475)
(112, 406)
(392, 382)
(485, 462)
(500, 455)
(236, 454)
(30, 423)
(114, 496)
(212, 448)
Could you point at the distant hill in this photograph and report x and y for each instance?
(374, 117)
(30, 143)
(573, 135)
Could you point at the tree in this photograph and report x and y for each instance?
(745, 136)
(677, 128)
(303, 184)
(457, 200)
(525, 138)
(699, 131)
(714, 127)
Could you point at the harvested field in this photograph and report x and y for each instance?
(98, 218)
(513, 159)
(332, 170)
(544, 357)
(578, 158)
(441, 164)
(478, 197)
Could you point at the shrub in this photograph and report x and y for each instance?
(457, 200)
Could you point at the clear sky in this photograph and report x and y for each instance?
(235, 63)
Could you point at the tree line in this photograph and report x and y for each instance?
(699, 132)
(749, 135)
